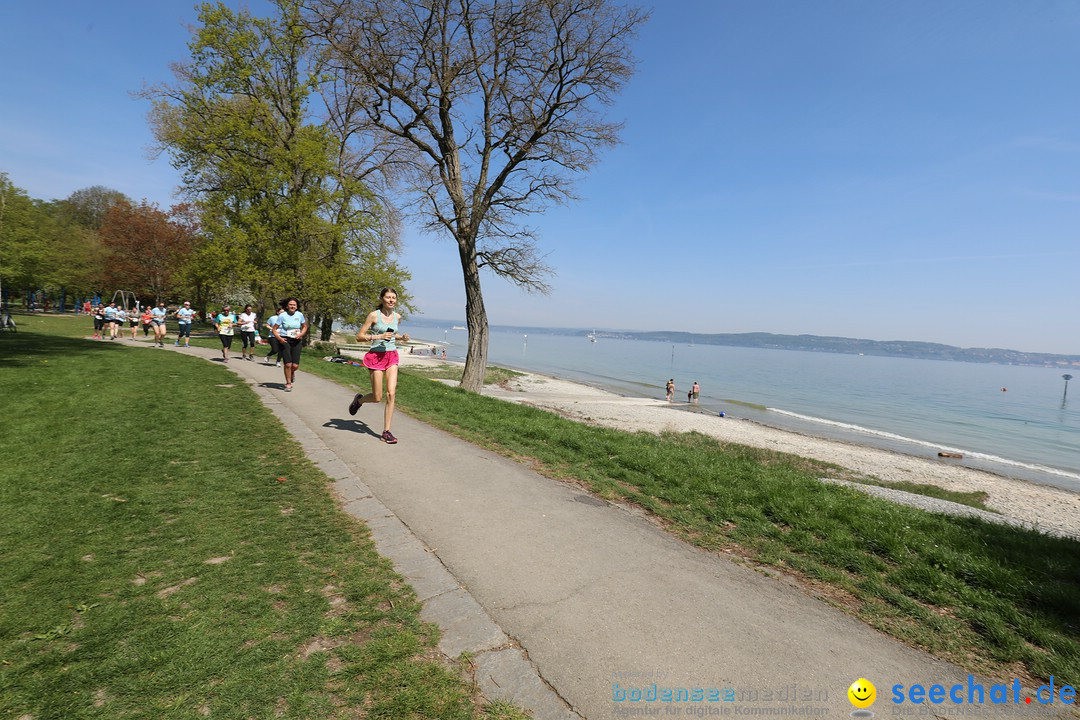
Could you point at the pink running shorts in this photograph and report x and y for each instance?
(380, 360)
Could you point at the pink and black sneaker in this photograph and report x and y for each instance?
(388, 437)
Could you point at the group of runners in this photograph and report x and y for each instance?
(110, 319)
(287, 330)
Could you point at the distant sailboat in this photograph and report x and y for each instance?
(457, 327)
(592, 336)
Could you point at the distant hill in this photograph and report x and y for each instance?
(811, 343)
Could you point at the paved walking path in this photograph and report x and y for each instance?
(565, 600)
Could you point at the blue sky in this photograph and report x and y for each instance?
(881, 170)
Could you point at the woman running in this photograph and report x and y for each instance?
(159, 314)
(184, 316)
(223, 323)
(247, 333)
(272, 338)
(147, 320)
(133, 321)
(99, 322)
(290, 331)
(380, 328)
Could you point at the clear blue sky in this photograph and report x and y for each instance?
(883, 170)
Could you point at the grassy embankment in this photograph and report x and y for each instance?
(991, 598)
(168, 552)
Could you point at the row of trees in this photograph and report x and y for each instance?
(92, 241)
(298, 134)
(286, 209)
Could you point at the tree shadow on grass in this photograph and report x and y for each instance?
(23, 349)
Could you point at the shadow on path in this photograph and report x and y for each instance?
(349, 425)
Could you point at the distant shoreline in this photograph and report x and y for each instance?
(785, 422)
(807, 343)
(1032, 503)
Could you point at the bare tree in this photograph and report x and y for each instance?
(483, 110)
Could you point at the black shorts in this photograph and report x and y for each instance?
(226, 341)
(185, 330)
(290, 350)
(248, 338)
(99, 323)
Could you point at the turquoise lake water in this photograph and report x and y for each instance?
(1007, 419)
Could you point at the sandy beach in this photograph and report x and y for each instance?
(1053, 509)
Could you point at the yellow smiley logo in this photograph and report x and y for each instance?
(862, 693)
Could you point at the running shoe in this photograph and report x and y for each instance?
(357, 401)
(388, 437)
(288, 388)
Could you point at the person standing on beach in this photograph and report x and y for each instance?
(380, 329)
(223, 323)
(290, 331)
(694, 391)
(669, 389)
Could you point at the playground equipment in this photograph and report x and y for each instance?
(126, 297)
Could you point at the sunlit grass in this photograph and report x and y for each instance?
(168, 552)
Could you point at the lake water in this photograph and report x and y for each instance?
(1008, 419)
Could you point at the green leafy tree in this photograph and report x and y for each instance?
(279, 213)
(85, 263)
(87, 207)
(484, 110)
(53, 245)
(24, 253)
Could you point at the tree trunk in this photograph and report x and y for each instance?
(326, 329)
(476, 322)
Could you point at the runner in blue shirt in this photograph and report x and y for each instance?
(184, 317)
(121, 318)
(290, 331)
(110, 320)
(275, 344)
(159, 314)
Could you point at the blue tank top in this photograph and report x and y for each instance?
(379, 327)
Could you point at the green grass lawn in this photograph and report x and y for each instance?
(168, 552)
(992, 598)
